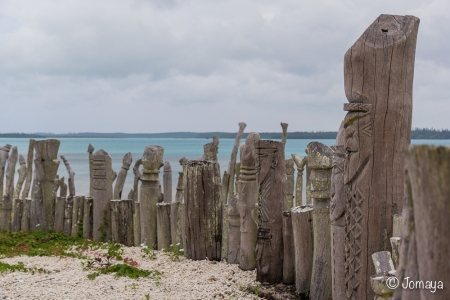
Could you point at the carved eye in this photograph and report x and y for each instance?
(384, 30)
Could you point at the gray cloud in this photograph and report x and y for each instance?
(157, 66)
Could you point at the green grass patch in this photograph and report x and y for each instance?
(38, 243)
(20, 267)
(125, 270)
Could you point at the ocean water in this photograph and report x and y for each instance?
(75, 150)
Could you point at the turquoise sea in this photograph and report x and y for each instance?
(75, 150)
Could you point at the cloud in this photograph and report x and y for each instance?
(157, 66)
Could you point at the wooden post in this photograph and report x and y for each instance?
(18, 212)
(87, 218)
(126, 223)
(337, 211)
(137, 223)
(284, 127)
(116, 230)
(163, 225)
(60, 206)
(320, 163)
(47, 164)
(302, 229)
(423, 256)
(10, 171)
(6, 213)
(271, 178)
(25, 222)
(101, 184)
(68, 213)
(289, 200)
(70, 179)
(384, 269)
(4, 154)
(29, 176)
(378, 80)
(225, 225)
(237, 170)
(288, 250)
(126, 162)
(175, 222)
(90, 150)
(300, 163)
(152, 161)
(22, 175)
(248, 197)
(77, 215)
(210, 150)
(167, 181)
(203, 227)
(242, 126)
(234, 234)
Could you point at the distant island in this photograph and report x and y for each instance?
(416, 134)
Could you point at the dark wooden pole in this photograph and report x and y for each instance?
(203, 226)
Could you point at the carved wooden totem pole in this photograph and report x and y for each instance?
(248, 196)
(271, 178)
(320, 164)
(152, 161)
(337, 211)
(378, 78)
(47, 164)
(101, 185)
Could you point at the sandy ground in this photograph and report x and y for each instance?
(184, 279)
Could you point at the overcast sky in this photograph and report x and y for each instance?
(201, 65)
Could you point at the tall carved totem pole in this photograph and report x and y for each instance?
(378, 78)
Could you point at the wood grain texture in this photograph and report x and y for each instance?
(25, 224)
(167, 182)
(77, 216)
(288, 249)
(10, 172)
(271, 179)
(88, 221)
(428, 171)
(378, 80)
(70, 178)
(234, 233)
(302, 230)
(22, 176)
(248, 197)
(126, 222)
(101, 184)
(202, 211)
(30, 155)
(163, 225)
(300, 163)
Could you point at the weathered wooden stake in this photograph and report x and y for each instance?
(338, 194)
(68, 213)
(248, 197)
(6, 213)
(60, 206)
(300, 163)
(22, 176)
(126, 223)
(25, 222)
(284, 127)
(175, 222)
(46, 164)
(152, 161)
(88, 211)
(70, 179)
(29, 178)
(320, 163)
(210, 150)
(116, 229)
(378, 80)
(242, 126)
(225, 225)
(90, 150)
(77, 216)
(234, 234)
(288, 249)
(126, 162)
(163, 225)
(302, 229)
(271, 178)
(101, 184)
(137, 223)
(167, 182)
(203, 226)
(289, 200)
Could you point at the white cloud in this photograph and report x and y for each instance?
(156, 66)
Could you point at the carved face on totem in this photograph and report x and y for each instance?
(358, 138)
(266, 160)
